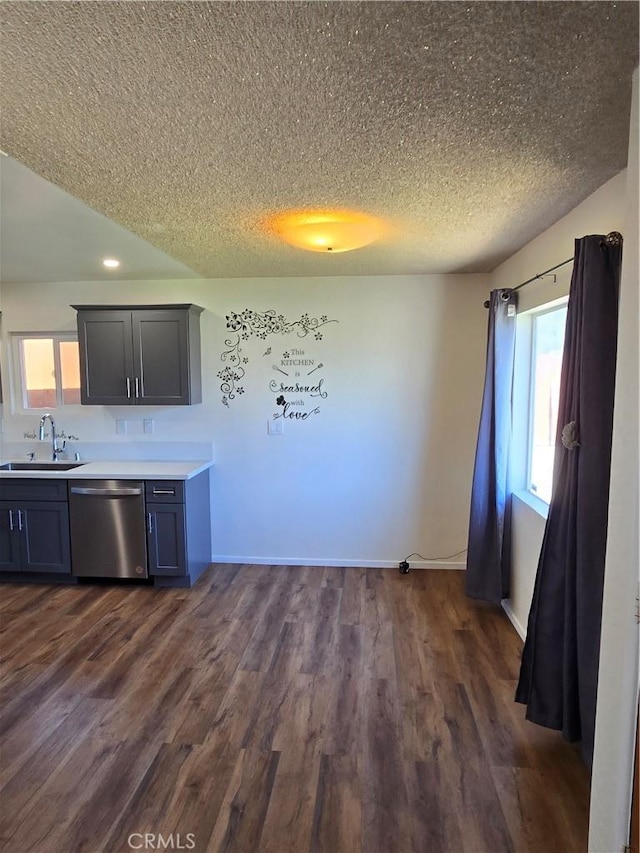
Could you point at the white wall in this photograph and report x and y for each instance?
(383, 470)
(618, 676)
(528, 523)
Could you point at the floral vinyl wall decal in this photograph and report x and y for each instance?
(259, 324)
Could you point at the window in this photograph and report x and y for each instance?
(546, 364)
(49, 370)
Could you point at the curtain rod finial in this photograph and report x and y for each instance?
(614, 238)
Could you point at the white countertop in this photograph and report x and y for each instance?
(114, 470)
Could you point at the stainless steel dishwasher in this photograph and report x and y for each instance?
(108, 534)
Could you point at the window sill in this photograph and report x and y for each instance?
(535, 503)
(58, 412)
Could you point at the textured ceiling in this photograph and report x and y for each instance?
(470, 126)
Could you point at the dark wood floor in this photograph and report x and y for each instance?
(275, 709)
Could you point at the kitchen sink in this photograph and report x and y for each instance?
(40, 466)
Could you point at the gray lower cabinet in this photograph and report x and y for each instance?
(166, 541)
(34, 534)
(178, 529)
(139, 355)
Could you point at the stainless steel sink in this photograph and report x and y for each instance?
(40, 466)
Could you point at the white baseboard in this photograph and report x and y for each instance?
(304, 561)
(513, 619)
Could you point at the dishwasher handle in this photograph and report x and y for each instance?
(123, 492)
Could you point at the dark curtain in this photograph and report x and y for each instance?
(559, 670)
(487, 575)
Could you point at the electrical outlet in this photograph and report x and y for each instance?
(121, 427)
(147, 425)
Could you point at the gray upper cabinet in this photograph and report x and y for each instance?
(139, 355)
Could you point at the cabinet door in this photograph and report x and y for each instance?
(9, 542)
(44, 537)
(166, 540)
(161, 358)
(106, 358)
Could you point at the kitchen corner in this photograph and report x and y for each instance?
(75, 511)
(143, 521)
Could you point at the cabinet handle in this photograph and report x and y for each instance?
(123, 492)
(128, 388)
(164, 491)
(11, 525)
(137, 384)
(150, 518)
(20, 519)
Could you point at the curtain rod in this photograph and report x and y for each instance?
(613, 238)
(535, 277)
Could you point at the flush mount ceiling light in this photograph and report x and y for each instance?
(326, 230)
(110, 263)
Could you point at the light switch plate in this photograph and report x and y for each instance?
(121, 427)
(147, 425)
(275, 427)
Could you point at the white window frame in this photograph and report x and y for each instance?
(536, 313)
(18, 373)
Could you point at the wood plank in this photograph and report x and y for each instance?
(500, 746)
(302, 607)
(46, 823)
(385, 805)
(434, 823)
(108, 799)
(288, 822)
(147, 810)
(198, 797)
(288, 655)
(337, 817)
(241, 818)
(264, 639)
(24, 774)
(255, 595)
(353, 595)
(379, 641)
(56, 676)
(333, 576)
(346, 692)
(141, 711)
(35, 725)
(481, 820)
(233, 720)
(277, 713)
(534, 824)
(323, 637)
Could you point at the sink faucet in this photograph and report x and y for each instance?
(54, 446)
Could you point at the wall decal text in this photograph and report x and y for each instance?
(246, 324)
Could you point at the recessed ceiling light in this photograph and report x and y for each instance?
(110, 263)
(326, 230)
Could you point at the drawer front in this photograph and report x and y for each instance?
(164, 491)
(33, 490)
